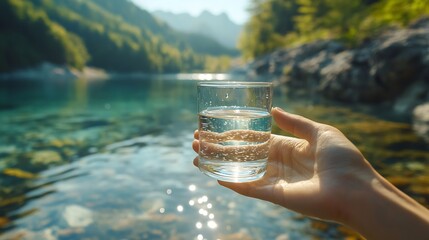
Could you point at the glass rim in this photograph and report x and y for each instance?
(224, 84)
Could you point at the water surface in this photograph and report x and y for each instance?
(112, 159)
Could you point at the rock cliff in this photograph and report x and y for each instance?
(392, 69)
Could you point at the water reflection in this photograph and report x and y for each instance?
(180, 208)
(192, 187)
(80, 98)
(211, 224)
(206, 76)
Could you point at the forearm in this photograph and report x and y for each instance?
(381, 211)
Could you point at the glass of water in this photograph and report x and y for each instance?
(234, 129)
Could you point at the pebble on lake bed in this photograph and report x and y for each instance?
(77, 216)
(45, 157)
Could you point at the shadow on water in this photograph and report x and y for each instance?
(111, 159)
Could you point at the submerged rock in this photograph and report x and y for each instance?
(15, 172)
(77, 216)
(4, 221)
(46, 157)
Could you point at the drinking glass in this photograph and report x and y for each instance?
(234, 129)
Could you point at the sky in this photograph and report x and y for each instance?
(236, 9)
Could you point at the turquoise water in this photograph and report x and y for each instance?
(112, 159)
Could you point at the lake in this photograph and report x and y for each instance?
(112, 159)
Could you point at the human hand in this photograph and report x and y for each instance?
(311, 175)
(322, 174)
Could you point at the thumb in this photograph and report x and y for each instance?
(297, 125)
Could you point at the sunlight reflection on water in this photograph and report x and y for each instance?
(205, 76)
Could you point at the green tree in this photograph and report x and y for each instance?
(39, 39)
(327, 19)
(270, 20)
(393, 13)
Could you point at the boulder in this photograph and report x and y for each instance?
(345, 77)
(380, 71)
(291, 58)
(392, 68)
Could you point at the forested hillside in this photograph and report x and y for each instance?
(114, 35)
(280, 23)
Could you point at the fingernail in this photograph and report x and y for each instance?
(279, 109)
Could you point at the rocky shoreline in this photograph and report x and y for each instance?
(392, 69)
(49, 71)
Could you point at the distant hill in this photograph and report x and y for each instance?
(218, 27)
(115, 35)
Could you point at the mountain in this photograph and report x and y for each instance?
(218, 27)
(115, 35)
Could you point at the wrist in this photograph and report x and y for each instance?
(378, 210)
(364, 187)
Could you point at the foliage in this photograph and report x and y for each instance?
(279, 23)
(39, 38)
(111, 34)
(393, 13)
(270, 20)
